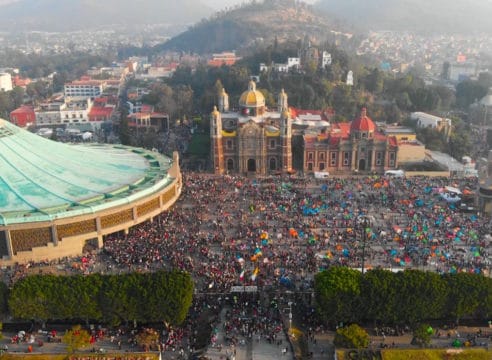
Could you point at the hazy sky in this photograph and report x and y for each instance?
(220, 4)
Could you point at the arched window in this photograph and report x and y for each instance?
(230, 164)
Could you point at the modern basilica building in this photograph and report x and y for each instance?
(56, 198)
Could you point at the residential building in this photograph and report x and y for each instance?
(147, 119)
(424, 120)
(20, 82)
(59, 113)
(224, 58)
(5, 82)
(23, 116)
(84, 89)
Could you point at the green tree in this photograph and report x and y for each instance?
(123, 128)
(446, 66)
(422, 335)
(421, 295)
(4, 295)
(467, 292)
(76, 338)
(460, 141)
(17, 97)
(337, 293)
(379, 296)
(30, 298)
(469, 91)
(351, 337)
(121, 298)
(374, 82)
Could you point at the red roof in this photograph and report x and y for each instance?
(18, 81)
(363, 123)
(101, 100)
(140, 115)
(101, 112)
(392, 141)
(341, 130)
(147, 108)
(24, 109)
(220, 62)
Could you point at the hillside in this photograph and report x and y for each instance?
(63, 15)
(436, 16)
(253, 24)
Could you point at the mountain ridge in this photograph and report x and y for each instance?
(253, 23)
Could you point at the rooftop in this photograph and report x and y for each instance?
(42, 180)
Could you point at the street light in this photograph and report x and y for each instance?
(290, 317)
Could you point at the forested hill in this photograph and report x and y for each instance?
(65, 15)
(252, 24)
(426, 16)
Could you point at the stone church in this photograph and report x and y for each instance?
(253, 140)
(257, 141)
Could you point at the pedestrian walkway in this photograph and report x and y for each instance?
(255, 348)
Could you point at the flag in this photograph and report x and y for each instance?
(255, 273)
(241, 276)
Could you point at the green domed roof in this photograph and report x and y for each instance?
(41, 180)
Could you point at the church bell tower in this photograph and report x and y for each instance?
(285, 131)
(216, 152)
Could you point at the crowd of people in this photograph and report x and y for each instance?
(276, 231)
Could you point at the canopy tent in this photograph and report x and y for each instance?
(452, 189)
(450, 197)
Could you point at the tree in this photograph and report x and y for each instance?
(466, 294)
(4, 294)
(469, 91)
(379, 294)
(124, 129)
(422, 335)
(446, 66)
(421, 295)
(460, 141)
(30, 297)
(147, 338)
(351, 337)
(337, 292)
(374, 81)
(17, 97)
(76, 338)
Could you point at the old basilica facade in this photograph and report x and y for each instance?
(256, 141)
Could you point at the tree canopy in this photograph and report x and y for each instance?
(160, 296)
(408, 297)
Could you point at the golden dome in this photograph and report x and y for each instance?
(252, 98)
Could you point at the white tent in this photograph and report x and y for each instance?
(87, 136)
(450, 197)
(453, 190)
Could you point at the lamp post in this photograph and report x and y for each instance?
(290, 317)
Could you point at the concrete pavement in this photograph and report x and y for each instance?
(254, 348)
